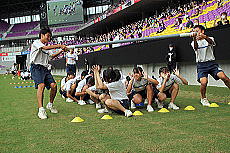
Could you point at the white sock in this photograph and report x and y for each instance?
(40, 109)
(50, 104)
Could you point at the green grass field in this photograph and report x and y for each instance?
(203, 130)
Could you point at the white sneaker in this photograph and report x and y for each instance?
(69, 100)
(149, 108)
(159, 104)
(81, 102)
(42, 114)
(103, 110)
(52, 109)
(146, 101)
(133, 106)
(173, 106)
(128, 113)
(205, 102)
(63, 96)
(90, 101)
(98, 106)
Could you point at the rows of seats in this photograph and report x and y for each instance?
(206, 18)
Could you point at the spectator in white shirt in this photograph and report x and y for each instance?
(71, 59)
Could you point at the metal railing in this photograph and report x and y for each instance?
(132, 40)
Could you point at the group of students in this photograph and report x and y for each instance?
(112, 91)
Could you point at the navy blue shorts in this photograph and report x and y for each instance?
(41, 74)
(168, 93)
(143, 94)
(125, 103)
(205, 68)
(71, 68)
(85, 97)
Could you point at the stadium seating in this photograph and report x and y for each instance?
(24, 26)
(64, 29)
(36, 32)
(16, 34)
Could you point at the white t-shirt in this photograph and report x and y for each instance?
(81, 84)
(71, 58)
(204, 52)
(69, 83)
(63, 82)
(173, 79)
(39, 55)
(117, 90)
(92, 88)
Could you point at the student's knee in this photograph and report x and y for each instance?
(102, 96)
(85, 87)
(137, 99)
(109, 102)
(175, 86)
(203, 82)
(223, 77)
(53, 86)
(149, 88)
(41, 86)
(161, 96)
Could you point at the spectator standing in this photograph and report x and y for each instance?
(71, 59)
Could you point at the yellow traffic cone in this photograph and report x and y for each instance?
(137, 113)
(214, 105)
(189, 108)
(106, 117)
(163, 110)
(77, 119)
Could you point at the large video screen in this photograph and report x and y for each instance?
(64, 11)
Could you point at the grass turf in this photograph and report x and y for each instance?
(203, 130)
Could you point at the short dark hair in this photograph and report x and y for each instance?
(118, 75)
(45, 31)
(138, 70)
(109, 75)
(163, 69)
(84, 73)
(199, 26)
(90, 80)
(172, 45)
(70, 73)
